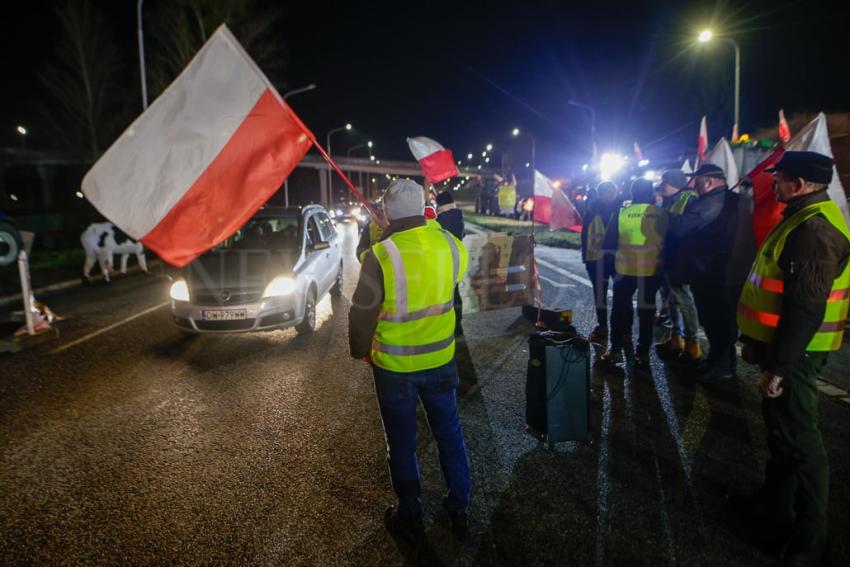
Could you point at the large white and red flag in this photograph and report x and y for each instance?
(437, 162)
(542, 198)
(702, 141)
(564, 214)
(206, 155)
(784, 129)
(721, 155)
(815, 138)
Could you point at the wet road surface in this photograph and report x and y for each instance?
(128, 442)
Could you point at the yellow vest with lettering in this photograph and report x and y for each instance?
(416, 324)
(760, 306)
(642, 228)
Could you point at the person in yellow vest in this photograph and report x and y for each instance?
(373, 232)
(637, 234)
(683, 342)
(792, 313)
(598, 261)
(402, 322)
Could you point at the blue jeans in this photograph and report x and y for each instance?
(683, 312)
(397, 396)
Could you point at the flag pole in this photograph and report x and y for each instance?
(345, 179)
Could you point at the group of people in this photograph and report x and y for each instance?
(786, 301)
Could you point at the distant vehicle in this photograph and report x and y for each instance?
(10, 240)
(348, 213)
(271, 274)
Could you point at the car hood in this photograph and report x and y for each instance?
(238, 269)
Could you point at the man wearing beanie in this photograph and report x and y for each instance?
(402, 322)
(637, 234)
(792, 313)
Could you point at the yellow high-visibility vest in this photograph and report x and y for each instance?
(682, 199)
(375, 235)
(416, 324)
(760, 306)
(642, 229)
(595, 238)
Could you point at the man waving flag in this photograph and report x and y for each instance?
(197, 164)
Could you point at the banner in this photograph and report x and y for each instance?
(499, 274)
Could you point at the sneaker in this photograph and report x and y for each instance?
(460, 525)
(599, 334)
(411, 531)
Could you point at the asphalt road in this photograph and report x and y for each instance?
(125, 442)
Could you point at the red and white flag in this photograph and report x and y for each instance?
(564, 213)
(197, 164)
(542, 197)
(702, 141)
(638, 153)
(784, 129)
(437, 162)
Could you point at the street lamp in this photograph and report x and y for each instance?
(516, 134)
(489, 147)
(592, 123)
(23, 132)
(704, 37)
(469, 156)
(142, 54)
(309, 87)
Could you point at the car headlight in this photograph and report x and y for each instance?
(338, 212)
(179, 291)
(281, 285)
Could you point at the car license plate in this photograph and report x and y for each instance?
(223, 315)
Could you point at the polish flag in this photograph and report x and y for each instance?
(206, 155)
(721, 155)
(437, 162)
(702, 141)
(542, 197)
(784, 129)
(564, 213)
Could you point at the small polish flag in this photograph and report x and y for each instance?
(542, 198)
(437, 162)
(784, 129)
(206, 155)
(702, 141)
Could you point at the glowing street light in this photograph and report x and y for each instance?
(609, 165)
(22, 131)
(483, 154)
(704, 37)
(489, 147)
(469, 156)
(515, 132)
(487, 160)
(348, 126)
(369, 143)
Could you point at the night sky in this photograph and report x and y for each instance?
(467, 73)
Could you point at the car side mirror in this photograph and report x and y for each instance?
(321, 245)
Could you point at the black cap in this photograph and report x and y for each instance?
(811, 166)
(709, 170)
(675, 178)
(641, 187)
(444, 198)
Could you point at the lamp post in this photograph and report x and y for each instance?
(592, 124)
(142, 55)
(309, 87)
(348, 127)
(516, 133)
(23, 132)
(704, 37)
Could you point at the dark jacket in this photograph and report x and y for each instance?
(452, 220)
(716, 241)
(605, 211)
(815, 253)
(369, 294)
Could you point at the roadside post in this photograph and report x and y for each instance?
(26, 290)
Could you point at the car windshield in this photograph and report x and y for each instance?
(280, 233)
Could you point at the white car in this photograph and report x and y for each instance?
(271, 274)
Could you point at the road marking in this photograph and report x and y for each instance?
(556, 284)
(109, 328)
(563, 272)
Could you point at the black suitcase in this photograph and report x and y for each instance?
(557, 387)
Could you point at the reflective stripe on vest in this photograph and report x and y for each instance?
(421, 267)
(760, 307)
(595, 239)
(642, 228)
(682, 200)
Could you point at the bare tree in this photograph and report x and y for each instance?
(179, 29)
(82, 78)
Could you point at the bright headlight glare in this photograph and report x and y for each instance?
(280, 286)
(179, 291)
